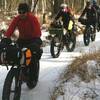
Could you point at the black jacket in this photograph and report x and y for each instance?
(90, 14)
(66, 16)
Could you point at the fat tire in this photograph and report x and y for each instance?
(93, 37)
(71, 39)
(33, 75)
(86, 37)
(52, 46)
(7, 85)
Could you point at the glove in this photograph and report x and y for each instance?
(6, 41)
(82, 21)
(56, 24)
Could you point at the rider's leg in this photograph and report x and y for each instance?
(94, 29)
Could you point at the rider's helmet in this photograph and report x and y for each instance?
(23, 8)
(94, 2)
(88, 3)
(63, 5)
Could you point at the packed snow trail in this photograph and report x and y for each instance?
(50, 69)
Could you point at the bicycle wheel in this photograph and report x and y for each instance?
(11, 88)
(93, 34)
(56, 46)
(33, 75)
(86, 36)
(70, 46)
(93, 37)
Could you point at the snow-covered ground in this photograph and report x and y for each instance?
(50, 69)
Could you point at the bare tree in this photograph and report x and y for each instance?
(43, 5)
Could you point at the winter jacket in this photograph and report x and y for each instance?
(29, 27)
(91, 15)
(65, 14)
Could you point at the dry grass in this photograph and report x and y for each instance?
(57, 91)
(77, 67)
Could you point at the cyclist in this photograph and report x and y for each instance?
(91, 16)
(67, 19)
(95, 5)
(65, 14)
(29, 32)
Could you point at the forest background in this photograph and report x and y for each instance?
(44, 9)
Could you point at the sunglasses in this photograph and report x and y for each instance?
(21, 12)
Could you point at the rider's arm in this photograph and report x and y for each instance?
(59, 14)
(36, 26)
(83, 13)
(11, 28)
